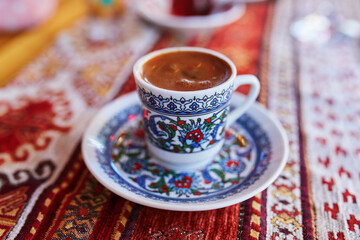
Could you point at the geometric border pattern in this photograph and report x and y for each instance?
(184, 106)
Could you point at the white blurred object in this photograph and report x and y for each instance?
(158, 12)
(312, 28)
(21, 14)
(324, 24)
(350, 28)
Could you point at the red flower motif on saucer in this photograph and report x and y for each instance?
(25, 125)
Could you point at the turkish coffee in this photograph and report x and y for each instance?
(186, 71)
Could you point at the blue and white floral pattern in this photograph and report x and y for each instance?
(184, 106)
(234, 169)
(185, 135)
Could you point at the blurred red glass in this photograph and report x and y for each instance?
(191, 7)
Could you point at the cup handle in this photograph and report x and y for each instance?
(250, 99)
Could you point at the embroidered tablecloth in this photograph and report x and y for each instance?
(55, 77)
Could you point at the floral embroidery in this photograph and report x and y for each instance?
(29, 125)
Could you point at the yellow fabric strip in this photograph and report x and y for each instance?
(17, 50)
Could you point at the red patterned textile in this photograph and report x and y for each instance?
(46, 191)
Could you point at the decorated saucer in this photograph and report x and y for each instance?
(159, 13)
(115, 152)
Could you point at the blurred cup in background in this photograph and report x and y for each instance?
(18, 15)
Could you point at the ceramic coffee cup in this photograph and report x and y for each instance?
(185, 129)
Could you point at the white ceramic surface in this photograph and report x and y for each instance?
(226, 181)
